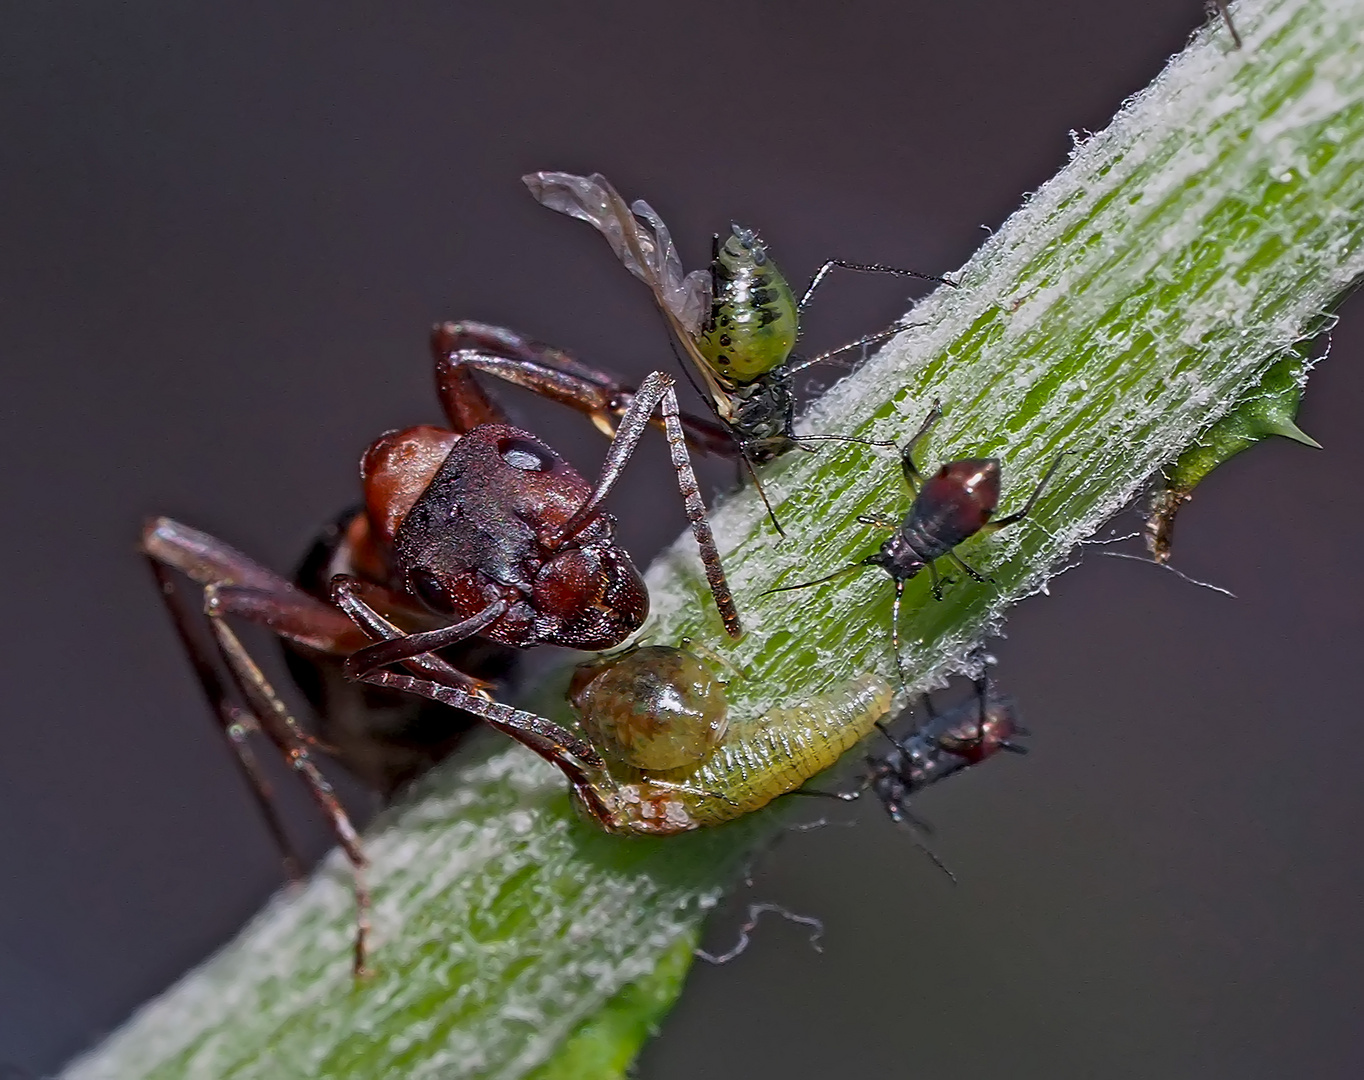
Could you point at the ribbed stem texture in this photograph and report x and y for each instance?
(1124, 308)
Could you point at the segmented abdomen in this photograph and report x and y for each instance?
(753, 320)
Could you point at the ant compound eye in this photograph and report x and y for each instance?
(427, 587)
(526, 455)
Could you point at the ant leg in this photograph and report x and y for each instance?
(284, 731)
(232, 721)
(656, 392)
(465, 347)
(399, 647)
(270, 602)
(867, 268)
(444, 685)
(912, 475)
(878, 521)
(995, 526)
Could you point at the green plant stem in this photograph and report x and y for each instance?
(1130, 303)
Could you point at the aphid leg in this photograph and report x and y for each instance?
(900, 814)
(1213, 7)
(284, 731)
(912, 475)
(800, 441)
(656, 392)
(860, 343)
(866, 268)
(938, 582)
(970, 572)
(762, 494)
(843, 796)
(1004, 522)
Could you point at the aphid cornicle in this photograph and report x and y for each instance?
(949, 507)
(737, 322)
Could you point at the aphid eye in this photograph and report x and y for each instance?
(427, 587)
(525, 455)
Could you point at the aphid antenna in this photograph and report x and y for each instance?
(756, 912)
(866, 268)
(818, 581)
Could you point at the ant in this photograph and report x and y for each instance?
(473, 533)
(737, 322)
(949, 508)
(949, 743)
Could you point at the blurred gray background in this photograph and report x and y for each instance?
(223, 235)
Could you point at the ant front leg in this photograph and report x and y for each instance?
(656, 392)
(267, 600)
(445, 684)
(464, 347)
(284, 731)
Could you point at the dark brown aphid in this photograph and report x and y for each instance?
(947, 744)
(479, 533)
(951, 506)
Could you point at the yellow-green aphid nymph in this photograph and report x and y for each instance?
(759, 759)
(753, 319)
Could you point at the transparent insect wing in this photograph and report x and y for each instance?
(687, 296)
(645, 249)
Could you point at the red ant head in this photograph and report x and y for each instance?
(589, 597)
(486, 526)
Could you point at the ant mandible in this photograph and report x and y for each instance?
(475, 531)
